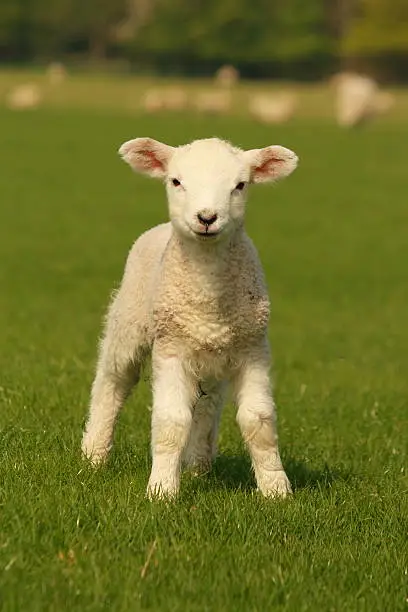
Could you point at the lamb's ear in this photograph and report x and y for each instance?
(147, 155)
(271, 163)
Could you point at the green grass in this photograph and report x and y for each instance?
(333, 239)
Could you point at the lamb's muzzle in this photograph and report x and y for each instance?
(203, 336)
(206, 218)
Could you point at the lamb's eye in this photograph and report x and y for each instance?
(176, 182)
(240, 186)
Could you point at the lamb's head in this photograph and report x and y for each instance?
(207, 180)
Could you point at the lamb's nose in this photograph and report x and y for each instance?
(206, 219)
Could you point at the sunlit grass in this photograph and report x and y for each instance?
(333, 239)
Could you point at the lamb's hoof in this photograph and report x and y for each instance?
(96, 457)
(199, 467)
(277, 485)
(158, 491)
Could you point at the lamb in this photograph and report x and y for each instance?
(359, 99)
(173, 99)
(213, 101)
(277, 108)
(56, 73)
(194, 296)
(355, 94)
(227, 76)
(153, 101)
(23, 97)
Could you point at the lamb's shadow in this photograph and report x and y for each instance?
(235, 473)
(302, 475)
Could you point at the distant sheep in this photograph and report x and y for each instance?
(156, 100)
(175, 99)
(359, 99)
(56, 73)
(227, 76)
(272, 108)
(213, 102)
(193, 294)
(153, 101)
(24, 97)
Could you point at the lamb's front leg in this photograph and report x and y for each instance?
(257, 420)
(174, 392)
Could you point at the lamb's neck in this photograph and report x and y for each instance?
(217, 255)
(209, 266)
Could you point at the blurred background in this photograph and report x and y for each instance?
(296, 41)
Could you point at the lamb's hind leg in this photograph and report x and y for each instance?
(202, 445)
(117, 372)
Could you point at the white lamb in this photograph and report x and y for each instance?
(24, 97)
(193, 294)
(273, 108)
(156, 100)
(56, 73)
(227, 76)
(359, 99)
(153, 101)
(355, 96)
(213, 101)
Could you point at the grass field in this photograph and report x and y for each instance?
(333, 239)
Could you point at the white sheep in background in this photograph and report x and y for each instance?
(172, 99)
(213, 102)
(24, 97)
(272, 108)
(153, 101)
(355, 95)
(175, 99)
(193, 294)
(227, 76)
(56, 73)
(359, 99)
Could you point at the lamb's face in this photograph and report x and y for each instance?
(206, 186)
(207, 180)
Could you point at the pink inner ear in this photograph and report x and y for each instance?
(150, 161)
(269, 167)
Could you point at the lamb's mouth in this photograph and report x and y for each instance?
(206, 235)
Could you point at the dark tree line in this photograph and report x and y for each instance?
(293, 38)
